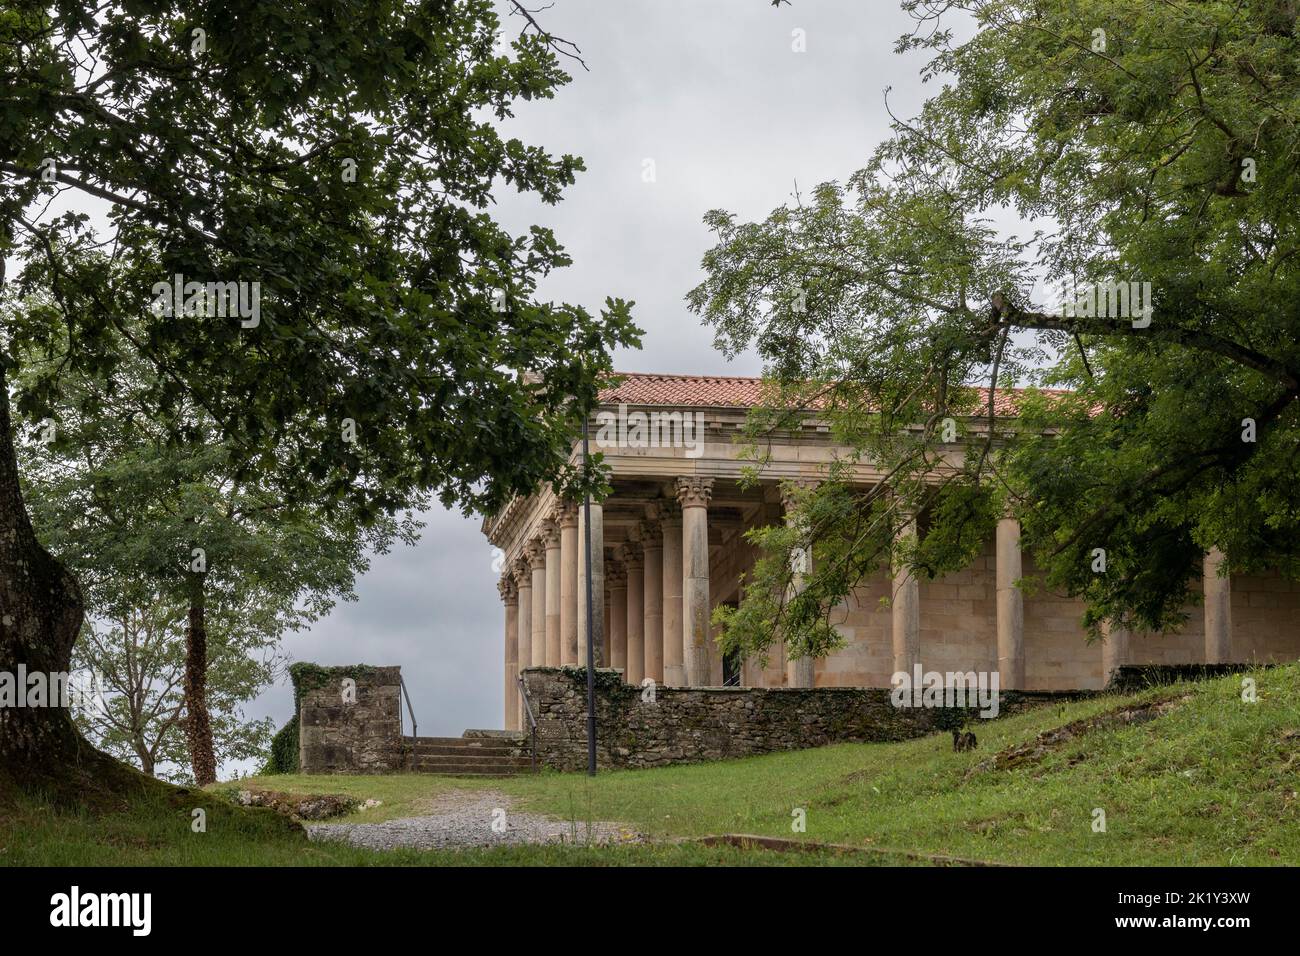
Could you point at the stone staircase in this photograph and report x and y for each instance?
(484, 754)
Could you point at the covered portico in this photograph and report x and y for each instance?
(668, 546)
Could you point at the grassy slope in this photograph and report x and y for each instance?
(1213, 782)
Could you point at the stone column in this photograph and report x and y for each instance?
(1011, 606)
(905, 611)
(617, 578)
(674, 654)
(536, 555)
(1218, 608)
(609, 598)
(801, 671)
(523, 576)
(506, 588)
(635, 618)
(568, 522)
(1114, 649)
(693, 495)
(652, 548)
(671, 587)
(554, 561)
(597, 573)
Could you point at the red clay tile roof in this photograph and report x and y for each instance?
(729, 391)
(712, 391)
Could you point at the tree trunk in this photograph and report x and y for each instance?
(40, 617)
(198, 725)
(143, 755)
(41, 610)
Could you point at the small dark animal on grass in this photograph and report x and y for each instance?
(963, 741)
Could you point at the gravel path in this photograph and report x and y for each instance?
(470, 818)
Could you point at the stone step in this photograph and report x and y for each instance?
(467, 743)
(460, 769)
(484, 754)
(472, 776)
(422, 760)
(440, 750)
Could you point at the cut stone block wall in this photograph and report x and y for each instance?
(361, 736)
(958, 631)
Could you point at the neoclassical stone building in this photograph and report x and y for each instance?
(668, 546)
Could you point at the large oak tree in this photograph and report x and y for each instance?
(343, 156)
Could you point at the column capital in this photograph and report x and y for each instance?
(615, 575)
(655, 513)
(535, 552)
(649, 534)
(506, 588)
(565, 514)
(694, 491)
(632, 556)
(904, 521)
(791, 489)
(522, 572)
(550, 533)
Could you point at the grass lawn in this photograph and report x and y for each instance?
(1213, 781)
(159, 835)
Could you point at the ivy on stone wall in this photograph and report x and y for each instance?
(284, 750)
(606, 678)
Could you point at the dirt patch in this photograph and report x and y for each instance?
(1050, 741)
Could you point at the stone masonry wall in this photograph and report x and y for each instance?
(694, 724)
(681, 725)
(361, 736)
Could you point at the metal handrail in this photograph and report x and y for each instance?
(415, 731)
(528, 709)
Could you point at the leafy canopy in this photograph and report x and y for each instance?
(1070, 143)
(342, 156)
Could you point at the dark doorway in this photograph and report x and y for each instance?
(731, 667)
(732, 664)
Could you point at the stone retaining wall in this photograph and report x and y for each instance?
(694, 724)
(678, 725)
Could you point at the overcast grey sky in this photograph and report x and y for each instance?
(732, 117)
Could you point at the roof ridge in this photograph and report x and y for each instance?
(678, 376)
